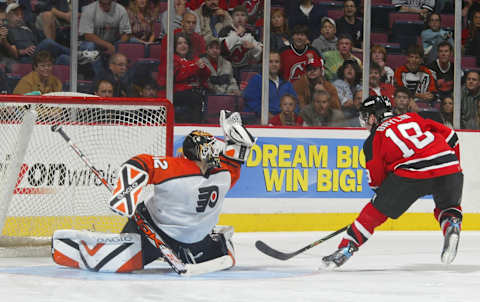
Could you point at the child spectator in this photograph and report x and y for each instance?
(442, 69)
(378, 55)
(142, 21)
(433, 36)
(279, 33)
(287, 115)
(319, 113)
(327, 40)
(104, 88)
(149, 88)
(351, 25)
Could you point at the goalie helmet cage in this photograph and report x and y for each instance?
(45, 186)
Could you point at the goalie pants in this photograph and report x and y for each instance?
(210, 247)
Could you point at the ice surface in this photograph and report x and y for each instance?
(391, 266)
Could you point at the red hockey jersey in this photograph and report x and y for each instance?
(294, 63)
(411, 146)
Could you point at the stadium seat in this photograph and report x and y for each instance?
(395, 60)
(21, 69)
(62, 72)
(448, 20)
(380, 18)
(335, 13)
(406, 32)
(133, 51)
(155, 50)
(380, 2)
(143, 68)
(157, 29)
(215, 103)
(395, 17)
(469, 62)
(392, 48)
(12, 80)
(86, 87)
(377, 38)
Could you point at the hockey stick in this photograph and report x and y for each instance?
(267, 250)
(177, 265)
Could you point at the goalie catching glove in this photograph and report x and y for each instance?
(238, 140)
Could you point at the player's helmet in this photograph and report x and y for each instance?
(202, 146)
(380, 106)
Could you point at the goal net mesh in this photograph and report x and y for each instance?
(45, 186)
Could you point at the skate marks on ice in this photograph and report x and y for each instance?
(417, 267)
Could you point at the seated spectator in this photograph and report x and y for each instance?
(421, 7)
(377, 87)
(279, 32)
(219, 70)
(142, 21)
(7, 51)
(149, 88)
(474, 122)
(239, 45)
(55, 16)
(41, 78)
(349, 77)
(117, 75)
(352, 114)
(212, 19)
(470, 98)
(294, 58)
(102, 24)
(335, 58)
(471, 37)
(443, 70)
(104, 88)
(432, 36)
(378, 54)
(277, 88)
(416, 77)
(308, 14)
(313, 80)
(319, 113)
(403, 101)
(189, 72)
(327, 39)
(180, 10)
(287, 115)
(351, 25)
(446, 110)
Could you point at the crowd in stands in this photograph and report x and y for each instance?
(315, 70)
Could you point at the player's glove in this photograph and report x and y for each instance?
(238, 140)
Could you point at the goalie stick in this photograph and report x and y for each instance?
(267, 250)
(177, 265)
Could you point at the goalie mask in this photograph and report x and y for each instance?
(379, 106)
(202, 146)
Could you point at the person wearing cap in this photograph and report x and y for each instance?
(335, 58)
(351, 25)
(306, 13)
(220, 73)
(327, 39)
(305, 86)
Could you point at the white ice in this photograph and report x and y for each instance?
(391, 266)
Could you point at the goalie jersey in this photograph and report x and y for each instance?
(185, 203)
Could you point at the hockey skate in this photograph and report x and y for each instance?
(451, 239)
(340, 256)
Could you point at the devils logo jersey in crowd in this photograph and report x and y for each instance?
(411, 146)
(294, 62)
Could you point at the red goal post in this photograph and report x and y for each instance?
(44, 186)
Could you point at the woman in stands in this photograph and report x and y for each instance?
(188, 72)
(378, 54)
(446, 110)
(141, 21)
(279, 35)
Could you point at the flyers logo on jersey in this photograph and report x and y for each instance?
(127, 191)
(208, 196)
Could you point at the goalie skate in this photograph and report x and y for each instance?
(451, 239)
(341, 256)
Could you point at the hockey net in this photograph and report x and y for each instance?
(44, 186)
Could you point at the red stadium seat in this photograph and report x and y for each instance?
(469, 62)
(394, 17)
(21, 69)
(448, 20)
(335, 13)
(395, 60)
(215, 103)
(155, 51)
(133, 51)
(377, 38)
(62, 72)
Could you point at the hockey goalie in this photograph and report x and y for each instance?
(178, 223)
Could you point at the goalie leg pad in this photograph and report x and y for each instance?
(99, 252)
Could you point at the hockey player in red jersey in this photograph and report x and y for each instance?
(407, 157)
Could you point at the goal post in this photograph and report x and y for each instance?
(44, 186)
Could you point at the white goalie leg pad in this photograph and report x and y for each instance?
(227, 232)
(99, 252)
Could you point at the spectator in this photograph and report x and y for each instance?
(319, 113)
(352, 114)
(149, 88)
(7, 51)
(277, 88)
(442, 69)
(416, 77)
(378, 54)
(351, 25)
(403, 101)
(142, 21)
(335, 58)
(308, 14)
(287, 115)
(41, 78)
(189, 72)
(294, 58)
(311, 80)
(474, 122)
(349, 80)
(117, 75)
(470, 98)
(104, 88)
(180, 10)
(212, 19)
(219, 70)
(279, 32)
(377, 87)
(432, 36)
(471, 37)
(239, 46)
(446, 110)
(421, 7)
(102, 24)
(327, 39)
(56, 15)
